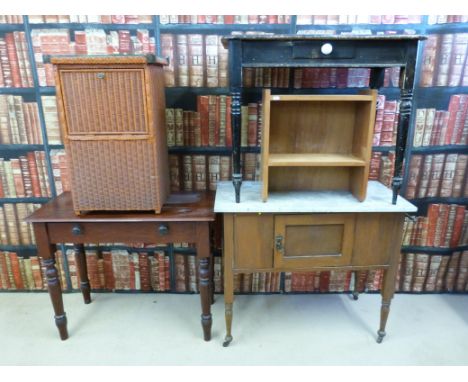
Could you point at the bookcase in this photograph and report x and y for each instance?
(44, 143)
(317, 142)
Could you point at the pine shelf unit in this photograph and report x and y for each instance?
(317, 142)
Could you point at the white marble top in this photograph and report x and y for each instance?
(379, 199)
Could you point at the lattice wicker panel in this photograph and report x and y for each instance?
(113, 101)
(113, 175)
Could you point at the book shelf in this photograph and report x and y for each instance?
(293, 158)
(186, 98)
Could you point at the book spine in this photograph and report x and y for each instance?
(434, 265)
(448, 175)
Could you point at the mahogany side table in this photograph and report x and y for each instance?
(184, 218)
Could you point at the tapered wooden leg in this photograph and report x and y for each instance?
(80, 257)
(46, 251)
(228, 276)
(203, 254)
(388, 287)
(356, 291)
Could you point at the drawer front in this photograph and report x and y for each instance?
(153, 232)
(359, 53)
(253, 244)
(304, 241)
(105, 101)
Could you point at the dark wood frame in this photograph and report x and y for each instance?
(375, 51)
(184, 218)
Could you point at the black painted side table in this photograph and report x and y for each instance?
(295, 51)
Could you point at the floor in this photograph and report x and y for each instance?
(163, 329)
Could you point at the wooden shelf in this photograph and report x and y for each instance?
(322, 98)
(315, 160)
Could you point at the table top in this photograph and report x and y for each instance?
(379, 199)
(189, 207)
(350, 37)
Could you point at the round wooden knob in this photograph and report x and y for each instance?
(163, 229)
(326, 48)
(77, 230)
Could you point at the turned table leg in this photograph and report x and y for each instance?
(80, 258)
(356, 290)
(203, 253)
(46, 251)
(228, 276)
(388, 287)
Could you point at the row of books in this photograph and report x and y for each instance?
(434, 175)
(27, 175)
(210, 125)
(88, 41)
(382, 166)
(445, 226)
(13, 229)
(357, 19)
(386, 122)
(18, 273)
(443, 127)
(150, 271)
(315, 77)
(19, 121)
(102, 19)
(15, 67)
(444, 60)
(202, 172)
(11, 19)
(446, 19)
(195, 60)
(224, 19)
(421, 272)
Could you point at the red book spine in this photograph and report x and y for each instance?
(36, 188)
(109, 279)
(324, 281)
(432, 214)
(202, 108)
(4, 276)
(454, 105)
(252, 126)
(460, 120)
(457, 226)
(441, 227)
(15, 268)
(13, 60)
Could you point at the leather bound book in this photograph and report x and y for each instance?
(457, 226)
(408, 267)
(421, 264)
(448, 175)
(452, 269)
(440, 279)
(441, 226)
(432, 217)
(436, 174)
(457, 59)
(443, 59)
(453, 108)
(414, 175)
(460, 119)
(450, 225)
(434, 266)
(419, 127)
(429, 60)
(202, 108)
(425, 176)
(195, 60)
(459, 175)
(428, 127)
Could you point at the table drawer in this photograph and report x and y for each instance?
(317, 240)
(359, 53)
(147, 232)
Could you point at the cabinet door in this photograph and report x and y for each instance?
(304, 241)
(104, 101)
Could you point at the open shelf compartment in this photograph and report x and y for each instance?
(317, 142)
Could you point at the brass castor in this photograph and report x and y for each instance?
(227, 341)
(355, 296)
(381, 334)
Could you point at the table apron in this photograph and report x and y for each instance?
(146, 232)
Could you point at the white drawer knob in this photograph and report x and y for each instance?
(326, 48)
